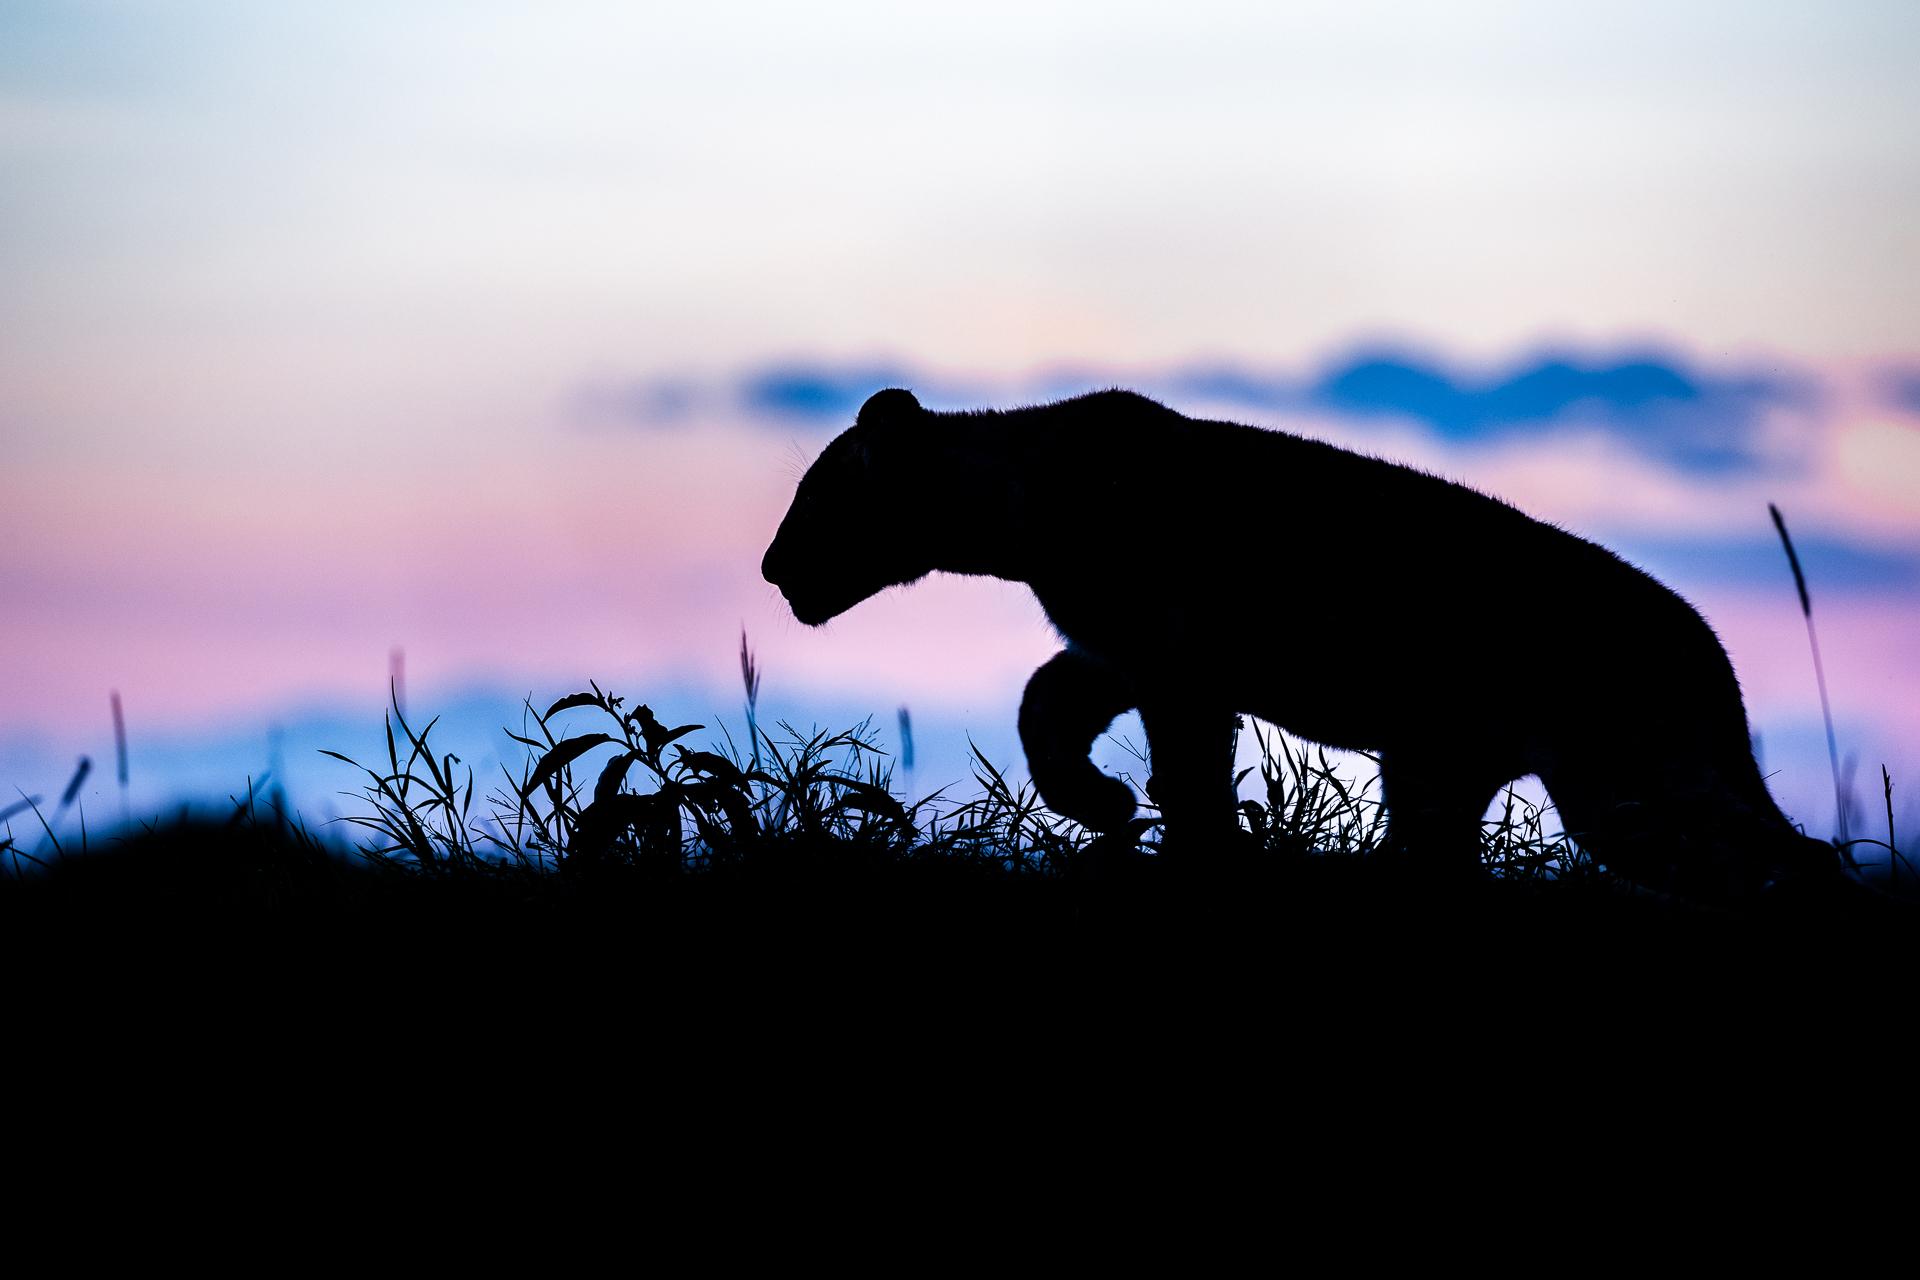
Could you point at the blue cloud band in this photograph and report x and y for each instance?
(1661, 404)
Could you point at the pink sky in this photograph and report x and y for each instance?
(299, 304)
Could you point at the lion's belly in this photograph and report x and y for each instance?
(1344, 686)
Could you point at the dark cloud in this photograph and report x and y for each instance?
(658, 402)
(1659, 403)
(1233, 384)
(830, 395)
(1662, 404)
(816, 392)
(1901, 388)
(1535, 392)
(1832, 564)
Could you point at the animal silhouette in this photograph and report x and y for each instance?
(1197, 569)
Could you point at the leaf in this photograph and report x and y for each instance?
(602, 821)
(734, 804)
(679, 732)
(612, 776)
(656, 734)
(713, 765)
(80, 773)
(889, 809)
(564, 753)
(571, 701)
(866, 796)
(33, 804)
(26, 802)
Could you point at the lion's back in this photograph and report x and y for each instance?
(1231, 553)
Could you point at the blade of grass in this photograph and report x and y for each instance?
(1819, 676)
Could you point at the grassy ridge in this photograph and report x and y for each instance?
(615, 830)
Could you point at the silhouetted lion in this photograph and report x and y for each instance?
(1197, 569)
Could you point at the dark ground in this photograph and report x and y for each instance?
(200, 893)
(230, 976)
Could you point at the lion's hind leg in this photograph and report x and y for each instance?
(1681, 823)
(1436, 803)
(1068, 703)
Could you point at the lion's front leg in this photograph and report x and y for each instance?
(1069, 702)
(1190, 741)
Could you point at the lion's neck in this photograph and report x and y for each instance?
(980, 520)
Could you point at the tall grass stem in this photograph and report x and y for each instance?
(120, 753)
(1819, 676)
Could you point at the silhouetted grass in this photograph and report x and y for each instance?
(616, 824)
(620, 834)
(606, 786)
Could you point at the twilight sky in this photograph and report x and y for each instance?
(499, 332)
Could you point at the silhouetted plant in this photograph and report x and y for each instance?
(631, 793)
(424, 819)
(652, 801)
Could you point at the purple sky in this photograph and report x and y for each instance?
(500, 333)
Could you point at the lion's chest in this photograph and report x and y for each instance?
(1098, 619)
(1144, 632)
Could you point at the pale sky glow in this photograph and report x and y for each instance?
(298, 303)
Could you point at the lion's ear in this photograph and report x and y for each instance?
(886, 409)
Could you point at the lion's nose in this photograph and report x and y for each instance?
(770, 565)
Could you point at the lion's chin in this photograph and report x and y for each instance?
(817, 605)
(816, 617)
(818, 611)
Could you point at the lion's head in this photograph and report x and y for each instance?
(841, 541)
